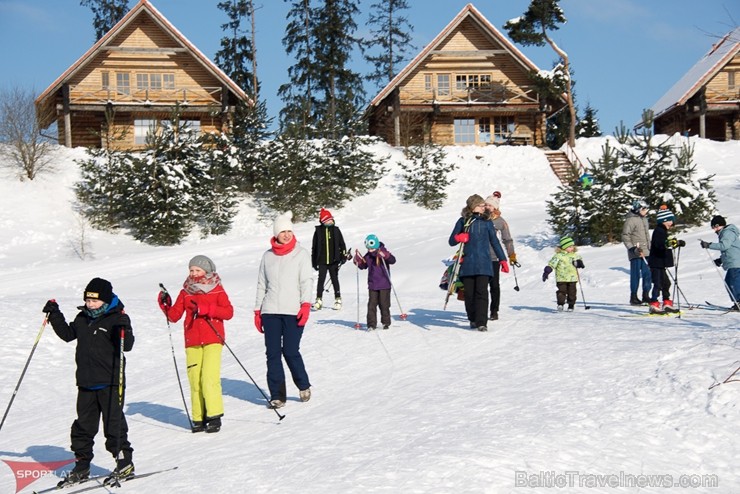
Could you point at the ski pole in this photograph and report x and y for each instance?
(453, 275)
(115, 482)
(583, 297)
(403, 315)
(28, 361)
(174, 360)
(357, 270)
(719, 273)
(515, 265)
(208, 321)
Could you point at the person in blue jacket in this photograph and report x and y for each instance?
(478, 236)
(729, 248)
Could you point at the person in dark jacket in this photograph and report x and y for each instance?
(328, 252)
(102, 330)
(206, 305)
(660, 258)
(479, 236)
(377, 261)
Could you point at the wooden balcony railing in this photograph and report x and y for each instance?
(195, 95)
(497, 93)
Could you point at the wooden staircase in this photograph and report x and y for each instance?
(561, 165)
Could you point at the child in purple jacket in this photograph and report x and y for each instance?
(377, 261)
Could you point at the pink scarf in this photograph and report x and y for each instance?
(201, 284)
(282, 249)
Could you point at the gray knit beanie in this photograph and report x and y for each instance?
(203, 263)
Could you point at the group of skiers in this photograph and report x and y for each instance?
(103, 330)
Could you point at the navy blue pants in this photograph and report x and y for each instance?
(640, 270)
(283, 340)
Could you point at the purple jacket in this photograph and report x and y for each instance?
(378, 271)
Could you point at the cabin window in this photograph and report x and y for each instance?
(142, 128)
(443, 84)
(427, 82)
(123, 84)
(732, 79)
(484, 130)
(142, 82)
(155, 81)
(168, 81)
(105, 80)
(468, 81)
(464, 131)
(503, 127)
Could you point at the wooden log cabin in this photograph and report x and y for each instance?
(469, 86)
(706, 100)
(138, 73)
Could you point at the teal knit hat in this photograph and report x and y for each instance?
(566, 242)
(372, 242)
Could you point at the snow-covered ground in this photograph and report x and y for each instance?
(543, 402)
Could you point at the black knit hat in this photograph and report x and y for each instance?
(99, 289)
(718, 221)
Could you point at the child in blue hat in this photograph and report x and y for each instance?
(377, 261)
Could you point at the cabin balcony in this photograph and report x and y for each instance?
(182, 95)
(497, 94)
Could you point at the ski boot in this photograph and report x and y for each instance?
(655, 308)
(338, 304)
(318, 304)
(124, 470)
(634, 299)
(80, 473)
(668, 306)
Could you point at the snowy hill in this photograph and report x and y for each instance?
(589, 401)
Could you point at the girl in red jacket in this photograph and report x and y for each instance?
(206, 306)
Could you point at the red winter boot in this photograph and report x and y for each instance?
(668, 306)
(655, 308)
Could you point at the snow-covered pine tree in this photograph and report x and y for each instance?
(661, 174)
(588, 126)
(569, 212)
(163, 188)
(101, 197)
(426, 175)
(216, 203)
(606, 197)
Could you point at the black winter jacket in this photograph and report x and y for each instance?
(328, 246)
(98, 343)
(660, 255)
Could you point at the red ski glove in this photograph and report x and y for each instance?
(258, 321)
(165, 301)
(303, 313)
(504, 266)
(462, 237)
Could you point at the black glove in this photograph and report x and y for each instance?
(636, 251)
(51, 306)
(546, 273)
(578, 263)
(681, 243)
(671, 243)
(704, 245)
(718, 262)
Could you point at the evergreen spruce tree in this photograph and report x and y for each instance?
(390, 37)
(426, 175)
(541, 17)
(164, 187)
(106, 14)
(606, 198)
(101, 197)
(588, 126)
(215, 203)
(569, 212)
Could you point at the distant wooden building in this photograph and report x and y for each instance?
(140, 71)
(706, 100)
(469, 85)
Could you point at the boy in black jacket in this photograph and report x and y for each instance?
(660, 258)
(102, 331)
(328, 252)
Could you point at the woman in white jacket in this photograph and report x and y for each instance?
(282, 306)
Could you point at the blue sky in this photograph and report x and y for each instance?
(625, 53)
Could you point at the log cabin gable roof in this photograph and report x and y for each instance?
(499, 45)
(700, 74)
(113, 41)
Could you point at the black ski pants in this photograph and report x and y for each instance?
(333, 270)
(476, 299)
(91, 404)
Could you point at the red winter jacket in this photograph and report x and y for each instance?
(198, 331)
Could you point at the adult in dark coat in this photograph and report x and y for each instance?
(100, 328)
(328, 252)
(478, 234)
